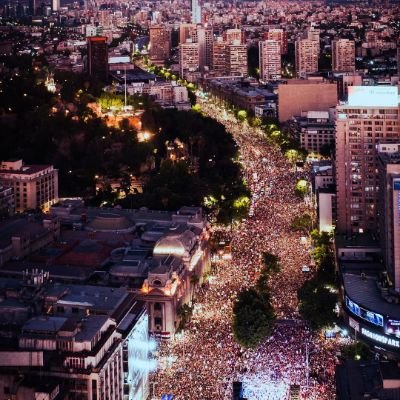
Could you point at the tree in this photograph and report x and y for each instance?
(253, 318)
(270, 262)
(184, 312)
(301, 188)
(316, 304)
(194, 280)
(302, 223)
(356, 351)
(242, 115)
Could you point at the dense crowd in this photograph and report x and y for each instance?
(208, 359)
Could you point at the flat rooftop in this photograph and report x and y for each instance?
(357, 240)
(365, 292)
(18, 226)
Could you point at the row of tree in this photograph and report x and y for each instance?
(253, 314)
(318, 296)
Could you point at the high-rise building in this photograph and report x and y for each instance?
(307, 52)
(371, 115)
(218, 64)
(313, 34)
(234, 35)
(55, 5)
(270, 60)
(389, 210)
(236, 57)
(347, 80)
(186, 32)
(35, 186)
(160, 44)
(32, 7)
(204, 37)
(196, 12)
(343, 55)
(98, 56)
(280, 36)
(188, 59)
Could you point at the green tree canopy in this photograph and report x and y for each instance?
(316, 304)
(302, 223)
(253, 318)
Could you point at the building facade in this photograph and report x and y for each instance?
(35, 186)
(270, 60)
(343, 55)
(97, 56)
(280, 36)
(160, 44)
(371, 115)
(189, 61)
(306, 53)
(389, 213)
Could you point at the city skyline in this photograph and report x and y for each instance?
(199, 200)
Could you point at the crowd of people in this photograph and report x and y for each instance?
(208, 359)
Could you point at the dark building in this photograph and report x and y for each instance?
(98, 57)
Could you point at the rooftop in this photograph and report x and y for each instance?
(366, 293)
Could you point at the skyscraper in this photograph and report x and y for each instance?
(371, 115)
(196, 12)
(218, 63)
(188, 59)
(185, 32)
(234, 35)
(389, 212)
(98, 56)
(160, 44)
(237, 59)
(307, 52)
(343, 55)
(270, 60)
(279, 35)
(55, 5)
(32, 7)
(204, 37)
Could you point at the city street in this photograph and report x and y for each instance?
(205, 359)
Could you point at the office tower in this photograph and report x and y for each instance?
(32, 7)
(236, 57)
(98, 56)
(280, 36)
(371, 115)
(185, 32)
(204, 37)
(160, 44)
(55, 5)
(35, 186)
(196, 12)
(313, 34)
(343, 55)
(270, 60)
(188, 59)
(218, 64)
(234, 35)
(389, 211)
(307, 52)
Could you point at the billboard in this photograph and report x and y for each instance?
(373, 96)
(372, 317)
